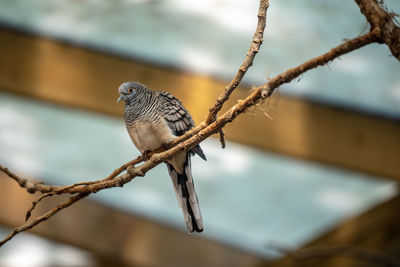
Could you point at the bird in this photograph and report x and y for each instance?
(153, 120)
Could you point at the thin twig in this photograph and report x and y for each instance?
(44, 217)
(321, 60)
(34, 203)
(254, 47)
(253, 50)
(32, 187)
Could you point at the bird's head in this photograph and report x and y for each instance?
(130, 90)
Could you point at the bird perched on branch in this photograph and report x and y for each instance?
(153, 120)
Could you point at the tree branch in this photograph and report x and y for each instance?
(44, 217)
(336, 52)
(382, 23)
(248, 62)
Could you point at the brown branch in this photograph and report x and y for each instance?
(33, 187)
(382, 23)
(336, 52)
(254, 47)
(34, 204)
(44, 217)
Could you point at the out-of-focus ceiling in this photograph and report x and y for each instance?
(212, 36)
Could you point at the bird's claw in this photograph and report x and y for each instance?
(145, 155)
(165, 147)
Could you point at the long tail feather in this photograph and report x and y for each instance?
(186, 196)
(197, 150)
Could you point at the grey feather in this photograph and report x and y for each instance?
(187, 197)
(172, 110)
(178, 118)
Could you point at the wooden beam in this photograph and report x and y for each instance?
(57, 72)
(117, 236)
(377, 230)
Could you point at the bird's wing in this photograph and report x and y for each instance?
(177, 117)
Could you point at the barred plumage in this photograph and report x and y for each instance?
(153, 119)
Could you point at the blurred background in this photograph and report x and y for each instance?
(317, 164)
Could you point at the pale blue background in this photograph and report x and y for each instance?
(212, 37)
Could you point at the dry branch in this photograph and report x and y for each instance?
(44, 217)
(383, 24)
(293, 73)
(253, 50)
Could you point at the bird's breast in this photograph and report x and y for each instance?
(150, 135)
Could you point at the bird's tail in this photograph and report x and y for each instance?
(186, 195)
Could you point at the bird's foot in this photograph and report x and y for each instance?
(145, 155)
(165, 147)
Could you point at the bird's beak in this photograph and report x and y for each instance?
(119, 99)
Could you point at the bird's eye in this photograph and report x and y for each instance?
(130, 90)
